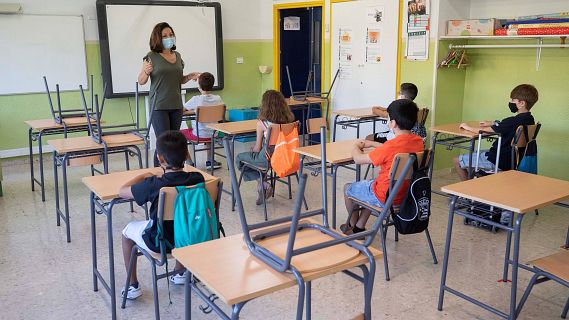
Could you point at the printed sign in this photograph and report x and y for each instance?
(292, 23)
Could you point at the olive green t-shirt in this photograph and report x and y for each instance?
(166, 81)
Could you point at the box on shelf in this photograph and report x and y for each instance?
(476, 27)
(241, 115)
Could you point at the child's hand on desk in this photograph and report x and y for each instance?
(360, 144)
(464, 126)
(486, 123)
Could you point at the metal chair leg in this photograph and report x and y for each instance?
(263, 195)
(565, 310)
(435, 261)
(526, 293)
(384, 249)
(289, 188)
(133, 256)
(303, 197)
(155, 291)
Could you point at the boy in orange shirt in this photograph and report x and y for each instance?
(402, 118)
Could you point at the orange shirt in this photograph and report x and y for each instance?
(383, 156)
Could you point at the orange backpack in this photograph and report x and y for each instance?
(284, 160)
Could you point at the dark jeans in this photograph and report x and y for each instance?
(165, 120)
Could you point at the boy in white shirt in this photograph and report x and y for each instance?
(205, 84)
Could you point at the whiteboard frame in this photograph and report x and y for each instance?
(104, 41)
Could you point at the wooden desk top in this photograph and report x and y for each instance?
(356, 113)
(336, 152)
(233, 128)
(75, 144)
(235, 275)
(512, 190)
(291, 102)
(453, 128)
(556, 264)
(44, 124)
(107, 186)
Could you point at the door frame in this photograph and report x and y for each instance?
(277, 38)
(399, 35)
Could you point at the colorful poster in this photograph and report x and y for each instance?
(373, 36)
(418, 45)
(374, 15)
(346, 35)
(292, 23)
(346, 53)
(418, 7)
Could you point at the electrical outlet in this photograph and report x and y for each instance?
(239, 60)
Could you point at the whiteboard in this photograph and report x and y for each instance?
(364, 82)
(33, 46)
(124, 32)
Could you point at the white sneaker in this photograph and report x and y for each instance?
(178, 279)
(132, 293)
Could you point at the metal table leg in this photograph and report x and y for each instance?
(335, 128)
(447, 250)
(334, 172)
(31, 158)
(42, 180)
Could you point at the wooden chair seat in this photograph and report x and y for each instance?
(315, 260)
(125, 139)
(556, 264)
(365, 204)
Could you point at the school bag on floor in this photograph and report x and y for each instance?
(414, 211)
(284, 160)
(195, 220)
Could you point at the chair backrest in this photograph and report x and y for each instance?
(209, 114)
(422, 116)
(313, 125)
(520, 142)
(168, 197)
(274, 130)
(399, 163)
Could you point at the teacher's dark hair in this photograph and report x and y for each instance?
(156, 37)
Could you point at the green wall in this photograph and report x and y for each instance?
(243, 85)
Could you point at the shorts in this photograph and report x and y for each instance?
(134, 231)
(363, 191)
(483, 162)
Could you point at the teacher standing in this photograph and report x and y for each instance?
(164, 66)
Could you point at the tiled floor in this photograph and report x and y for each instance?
(44, 277)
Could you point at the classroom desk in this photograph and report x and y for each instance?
(454, 137)
(306, 107)
(338, 154)
(85, 151)
(104, 195)
(231, 131)
(354, 118)
(234, 275)
(531, 192)
(45, 127)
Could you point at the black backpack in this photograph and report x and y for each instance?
(414, 211)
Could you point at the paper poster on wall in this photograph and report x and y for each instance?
(373, 55)
(418, 7)
(346, 70)
(346, 35)
(373, 36)
(418, 45)
(292, 23)
(374, 14)
(346, 53)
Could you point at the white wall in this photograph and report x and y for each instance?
(241, 18)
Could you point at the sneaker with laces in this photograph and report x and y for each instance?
(178, 279)
(216, 165)
(133, 292)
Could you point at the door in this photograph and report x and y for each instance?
(300, 49)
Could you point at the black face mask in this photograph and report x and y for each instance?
(513, 107)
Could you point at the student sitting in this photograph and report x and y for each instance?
(172, 152)
(406, 91)
(206, 81)
(274, 110)
(402, 117)
(523, 97)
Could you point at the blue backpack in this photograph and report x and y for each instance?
(195, 219)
